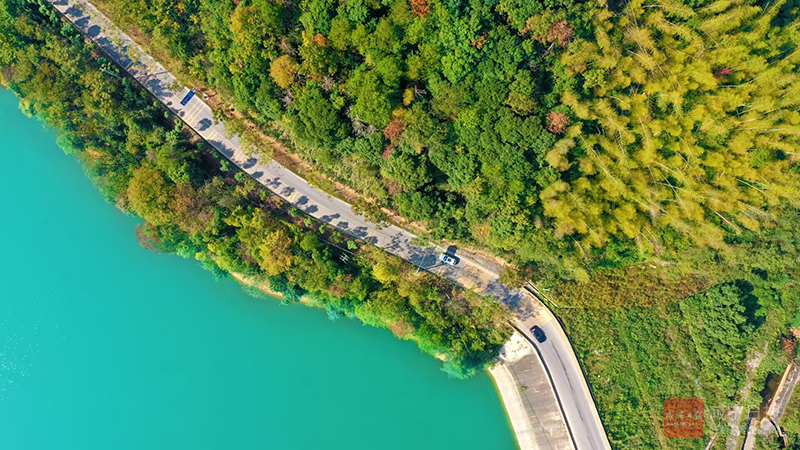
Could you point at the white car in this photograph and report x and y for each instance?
(447, 259)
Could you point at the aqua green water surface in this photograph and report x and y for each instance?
(105, 345)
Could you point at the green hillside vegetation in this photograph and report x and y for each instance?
(639, 353)
(566, 136)
(791, 422)
(637, 357)
(193, 205)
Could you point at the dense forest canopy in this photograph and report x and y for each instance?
(559, 133)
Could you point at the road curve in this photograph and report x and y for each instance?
(566, 376)
(557, 355)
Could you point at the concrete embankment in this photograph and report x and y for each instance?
(528, 397)
(765, 422)
(784, 393)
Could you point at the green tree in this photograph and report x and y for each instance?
(317, 120)
(720, 333)
(406, 170)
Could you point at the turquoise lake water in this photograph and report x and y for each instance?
(106, 345)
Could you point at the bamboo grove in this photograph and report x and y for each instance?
(689, 124)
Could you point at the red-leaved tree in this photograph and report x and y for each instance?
(557, 122)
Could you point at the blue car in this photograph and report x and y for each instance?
(186, 98)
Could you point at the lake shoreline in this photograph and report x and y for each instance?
(108, 344)
(510, 397)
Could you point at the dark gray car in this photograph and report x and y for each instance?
(538, 334)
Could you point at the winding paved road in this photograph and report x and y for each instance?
(556, 353)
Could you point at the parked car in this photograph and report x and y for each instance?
(538, 334)
(187, 97)
(448, 259)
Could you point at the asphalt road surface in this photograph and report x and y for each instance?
(572, 392)
(557, 355)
